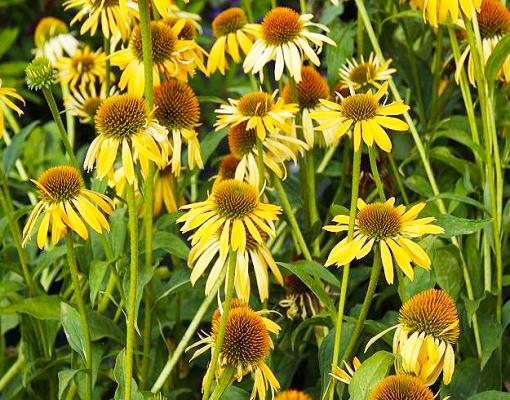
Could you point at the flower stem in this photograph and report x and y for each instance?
(133, 283)
(70, 122)
(143, 7)
(224, 382)
(398, 178)
(260, 163)
(232, 257)
(107, 82)
(356, 163)
(330, 152)
(190, 331)
(12, 372)
(375, 173)
(73, 269)
(48, 95)
(372, 285)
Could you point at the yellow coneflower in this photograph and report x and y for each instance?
(164, 191)
(278, 149)
(171, 56)
(391, 227)
(66, 204)
(52, 39)
(231, 30)
(125, 123)
(233, 209)
(105, 12)
(284, 36)
(310, 90)
(292, 394)
(5, 93)
(401, 387)
(346, 375)
(363, 73)
(299, 301)
(438, 11)
(83, 102)
(83, 68)
(369, 117)
(494, 24)
(178, 110)
(260, 111)
(427, 331)
(246, 345)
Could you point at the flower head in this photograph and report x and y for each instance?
(299, 300)
(83, 68)
(284, 36)
(292, 395)
(5, 93)
(363, 73)
(83, 102)
(66, 204)
(366, 114)
(125, 123)
(392, 227)
(52, 39)
(401, 387)
(40, 74)
(438, 11)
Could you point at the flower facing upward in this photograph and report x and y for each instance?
(292, 395)
(368, 116)
(427, 331)
(391, 227)
(401, 387)
(284, 36)
(246, 345)
(435, 11)
(232, 33)
(178, 110)
(84, 102)
(259, 110)
(5, 93)
(125, 122)
(52, 39)
(363, 73)
(83, 68)
(299, 300)
(66, 204)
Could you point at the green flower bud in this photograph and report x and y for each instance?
(40, 74)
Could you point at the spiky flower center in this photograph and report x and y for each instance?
(493, 19)
(228, 166)
(241, 140)
(379, 221)
(83, 62)
(163, 42)
(362, 73)
(359, 107)
(60, 184)
(90, 105)
(432, 312)
(281, 25)
(293, 395)
(235, 199)
(48, 28)
(177, 107)
(256, 104)
(229, 21)
(246, 341)
(121, 116)
(401, 387)
(189, 30)
(310, 89)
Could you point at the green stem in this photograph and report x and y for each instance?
(302, 6)
(107, 82)
(223, 324)
(224, 382)
(375, 173)
(114, 279)
(346, 269)
(48, 95)
(312, 201)
(133, 282)
(260, 163)
(12, 372)
(398, 178)
(143, 7)
(78, 296)
(70, 121)
(249, 11)
(372, 286)
(330, 152)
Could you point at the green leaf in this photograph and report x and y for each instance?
(209, 144)
(40, 307)
(119, 375)
(178, 281)
(455, 226)
(465, 380)
(460, 136)
(337, 209)
(118, 231)
(459, 198)
(170, 243)
(13, 151)
(96, 277)
(73, 329)
(343, 35)
(498, 56)
(369, 374)
(318, 270)
(7, 38)
(446, 269)
(491, 395)
(64, 379)
(101, 327)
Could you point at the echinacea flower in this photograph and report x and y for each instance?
(125, 123)
(392, 228)
(345, 376)
(66, 204)
(260, 111)
(292, 394)
(438, 11)
(284, 37)
(309, 91)
(108, 13)
(5, 93)
(83, 102)
(494, 24)
(358, 74)
(52, 39)
(246, 345)
(278, 148)
(401, 387)
(299, 301)
(233, 209)
(178, 110)
(83, 68)
(232, 33)
(366, 115)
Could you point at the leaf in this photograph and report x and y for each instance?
(7, 38)
(460, 136)
(465, 380)
(13, 151)
(455, 226)
(337, 209)
(119, 375)
(96, 277)
(446, 269)
(318, 270)
(491, 395)
(459, 198)
(369, 374)
(41, 307)
(498, 56)
(64, 379)
(343, 35)
(73, 329)
(118, 231)
(170, 243)
(178, 281)
(209, 144)
(101, 327)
